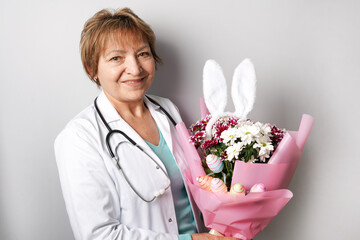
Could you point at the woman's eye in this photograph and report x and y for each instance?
(115, 58)
(144, 54)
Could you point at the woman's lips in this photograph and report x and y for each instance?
(134, 82)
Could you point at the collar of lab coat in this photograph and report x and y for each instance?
(111, 116)
(109, 112)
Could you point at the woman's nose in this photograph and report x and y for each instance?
(133, 66)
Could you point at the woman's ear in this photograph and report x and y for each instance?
(93, 76)
(90, 72)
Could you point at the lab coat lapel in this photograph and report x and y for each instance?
(162, 122)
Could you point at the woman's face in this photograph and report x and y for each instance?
(126, 70)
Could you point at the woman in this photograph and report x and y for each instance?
(140, 193)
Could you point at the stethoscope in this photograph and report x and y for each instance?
(116, 158)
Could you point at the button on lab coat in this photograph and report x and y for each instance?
(99, 201)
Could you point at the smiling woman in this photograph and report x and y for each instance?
(122, 26)
(125, 71)
(129, 198)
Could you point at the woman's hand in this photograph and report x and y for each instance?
(208, 236)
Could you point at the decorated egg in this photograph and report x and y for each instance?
(214, 163)
(259, 187)
(204, 181)
(217, 185)
(238, 189)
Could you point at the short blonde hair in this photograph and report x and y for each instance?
(104, 25)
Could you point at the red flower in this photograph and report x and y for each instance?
(208, 144)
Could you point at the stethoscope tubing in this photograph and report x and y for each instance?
(113, 131)
(129, 182)
(162, 109)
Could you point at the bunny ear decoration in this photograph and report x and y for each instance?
(243, 88)
(214, 87)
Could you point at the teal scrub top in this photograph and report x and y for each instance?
(184, 215)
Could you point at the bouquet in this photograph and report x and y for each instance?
(238, 170)
(233, 139)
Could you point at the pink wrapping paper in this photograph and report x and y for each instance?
(277, 174)
(191, 155)
(239, 216)
(246, 216)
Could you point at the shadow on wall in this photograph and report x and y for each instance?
(168, 76)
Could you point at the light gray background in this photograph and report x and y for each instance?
(307, 59)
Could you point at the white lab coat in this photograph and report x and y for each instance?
(99, 202)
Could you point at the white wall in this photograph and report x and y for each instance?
(307, 57)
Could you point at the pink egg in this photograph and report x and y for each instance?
(204, 181)
(238, 189)
(217, 185)
(259, 187)
(214, 163)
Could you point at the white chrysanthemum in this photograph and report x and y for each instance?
(230, 136)
(263, 139)
(264, 128)
(234, 150)
(265, 149)
(249, 133)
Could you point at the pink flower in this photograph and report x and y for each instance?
(196, 127)
(223, 156)
(208, 144)
(232, 122)
(198, 138)
(277, 134)
(200, 125)
(219, 129)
